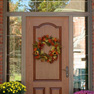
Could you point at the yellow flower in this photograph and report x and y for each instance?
(3, 91)
(13, 91)
(24, 89)
(11, 86)
(3, 86)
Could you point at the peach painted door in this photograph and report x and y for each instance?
(43, 77)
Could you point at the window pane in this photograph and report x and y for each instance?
(47, 5)
(80, 55)
(15, 68)
(14, 43)
(15, 26)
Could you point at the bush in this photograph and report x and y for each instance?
(12, 88)
(84, 92)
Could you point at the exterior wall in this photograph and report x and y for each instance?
(1, 39)
(93, 39)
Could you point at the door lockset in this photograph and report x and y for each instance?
(67, 71)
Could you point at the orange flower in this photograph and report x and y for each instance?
(39, 38)
(55, 39)
(39, 44)
(35, 49)
(44, 39)
(52, 43)
(47, 36)
(49, 40)
(51, 54)
(56, 45)
(53, 51)
(47, 60)
(57, 53)
(37, 56)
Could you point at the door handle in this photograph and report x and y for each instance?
(67, 71)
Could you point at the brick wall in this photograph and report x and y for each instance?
(1, 38)
(93, 38)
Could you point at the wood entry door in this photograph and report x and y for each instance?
(43, 77)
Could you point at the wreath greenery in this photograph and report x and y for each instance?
(52, 54)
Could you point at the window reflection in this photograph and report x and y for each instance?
(14, 41)
(80, 70)
(47, 5)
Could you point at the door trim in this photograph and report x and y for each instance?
(71, 55)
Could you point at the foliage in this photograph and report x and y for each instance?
(84, 92)
(14, 42)
(12, 88)
(17, 6)
(15, 39)
(37, 5)
(13, 7)
(53, 53)
(44, 6)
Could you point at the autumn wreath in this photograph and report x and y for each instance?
(52, 54)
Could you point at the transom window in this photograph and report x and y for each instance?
(47, 5)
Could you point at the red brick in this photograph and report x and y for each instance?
(1, 32)
(1, 29)
(1, 12)
(1, 6)
(1, 69)
(1, 15)
(1, 2)
(1, 52)
(1, 63)
(1, 9)
(93, 42)
(1, 39)
(1, 22)
(0, 79)
(1, 59)
(1, 72)
(1, 18)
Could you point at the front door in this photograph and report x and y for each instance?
(42, 76)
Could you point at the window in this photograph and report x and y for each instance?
(14, 43)
(80, 53)
(47, 5)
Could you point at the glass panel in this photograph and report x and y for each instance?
(14, 43)
(15, 68)
(32, 7)
(47, 5)
(41, 7)
(15, 26)
(80, 58)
